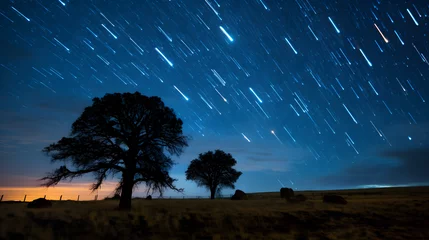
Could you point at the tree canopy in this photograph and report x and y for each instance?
(213, 170)
(122, 133)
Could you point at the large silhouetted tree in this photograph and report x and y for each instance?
(214, 171)
(121, 133)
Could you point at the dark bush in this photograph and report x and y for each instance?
(40, 203)
(334, 199)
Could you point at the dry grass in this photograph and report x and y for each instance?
(399, 213)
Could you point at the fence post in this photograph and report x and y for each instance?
(1, 199)
(61, 197)
(25, 197)
(96, 196)
(44, 197)
(78, 197)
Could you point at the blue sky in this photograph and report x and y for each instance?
(316, 94)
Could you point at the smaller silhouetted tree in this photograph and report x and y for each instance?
(214, 171)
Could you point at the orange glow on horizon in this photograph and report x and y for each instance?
(69, 191)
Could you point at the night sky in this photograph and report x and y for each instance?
(312, 94)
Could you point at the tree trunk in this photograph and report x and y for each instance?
(212, 193)
(127, 191)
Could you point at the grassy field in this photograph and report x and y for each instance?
(393, 213)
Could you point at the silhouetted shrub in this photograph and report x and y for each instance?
(239, 195)
(286, 193)
(40, 203)
(334, 199)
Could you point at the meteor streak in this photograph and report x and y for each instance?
(111, 33)
(411, 15)
(291, 46)
(183, 95)
(245, 137)
(382, 35)
(351, 115)
(255, 95)
(367, 60)
(226, 34)
(22, 15)
(333, 24)
(165, 58)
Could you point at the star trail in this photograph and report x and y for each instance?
(337, 80)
